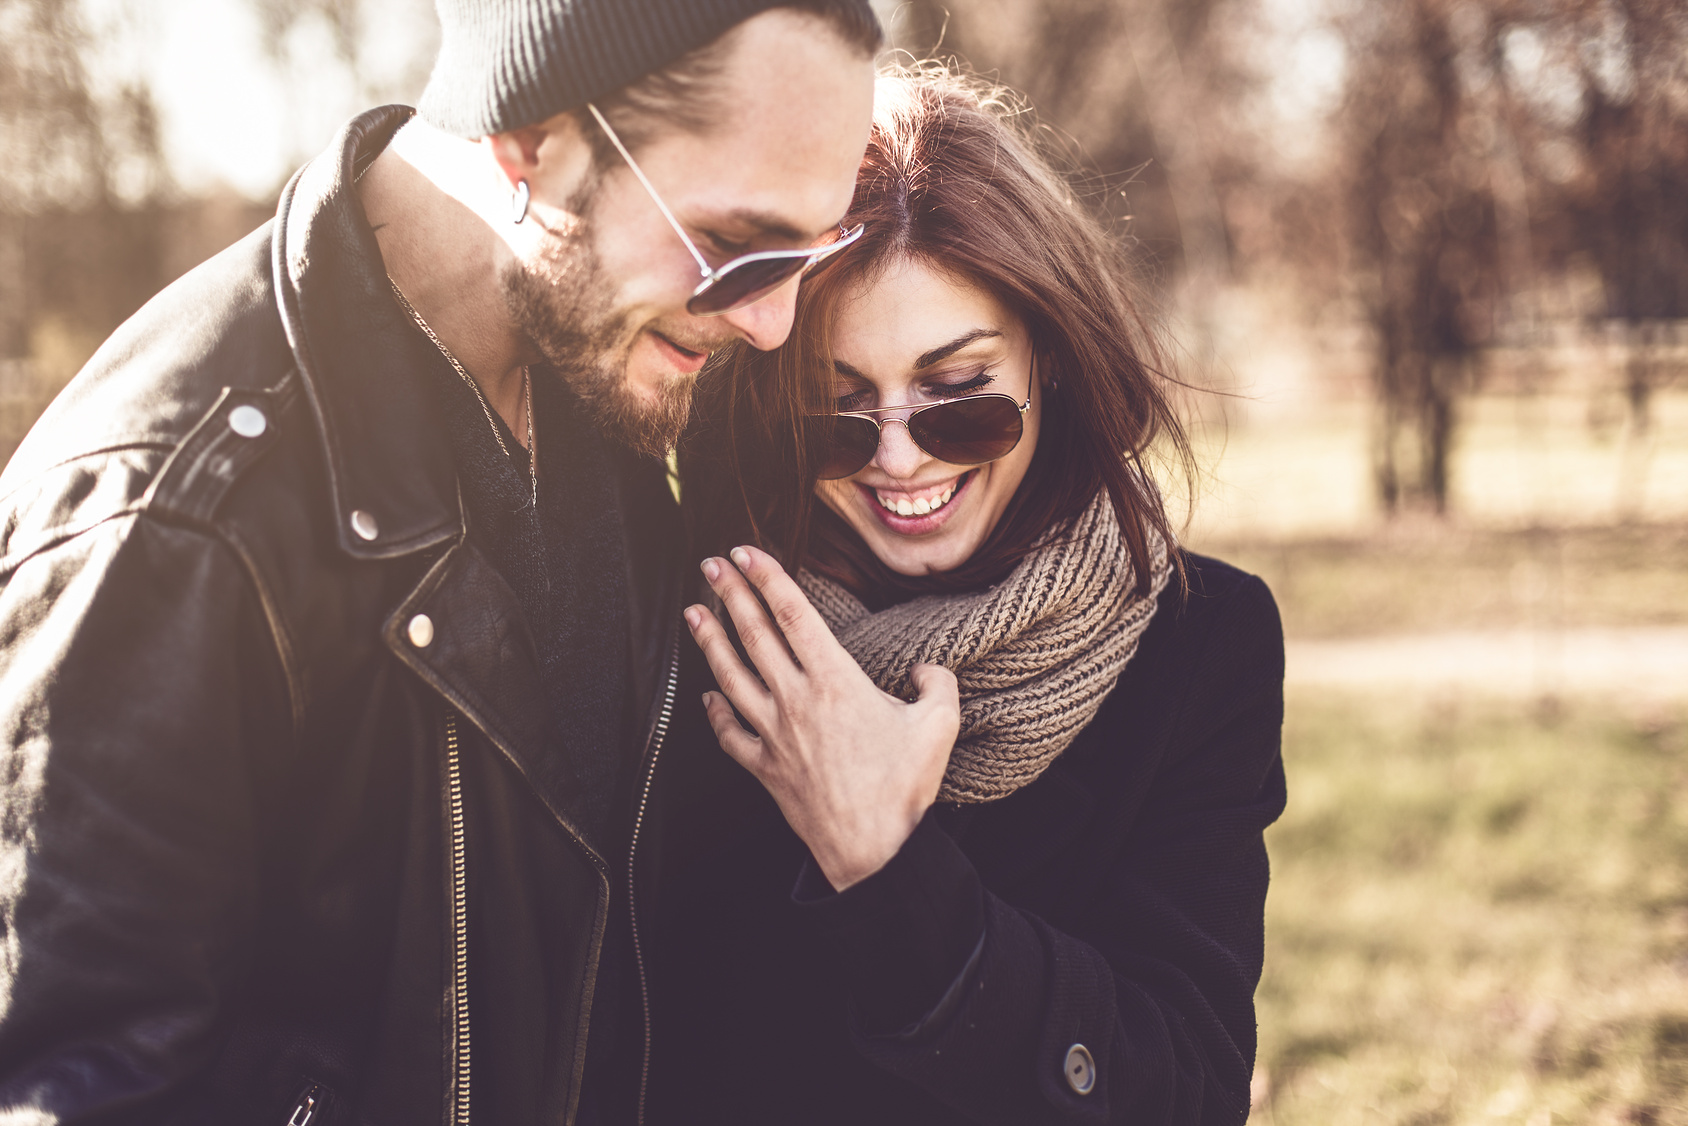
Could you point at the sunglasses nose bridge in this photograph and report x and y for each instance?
(898, 456)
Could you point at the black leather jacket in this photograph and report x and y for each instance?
(267, 840)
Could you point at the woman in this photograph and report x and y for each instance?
(1030, 891)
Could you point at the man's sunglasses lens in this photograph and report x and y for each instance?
(842, 444)
(746, 284)
(968, 431)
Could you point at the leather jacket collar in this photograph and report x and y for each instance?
(381, 438)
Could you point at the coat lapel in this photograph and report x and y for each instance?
(480, 655)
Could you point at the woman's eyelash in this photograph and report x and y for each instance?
(976, 382)
(857, 400)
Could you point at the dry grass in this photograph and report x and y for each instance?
(1479, 908)
(1425, 577)
(1477, 915)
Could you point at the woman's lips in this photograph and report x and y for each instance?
(685, 359)
(918, 524)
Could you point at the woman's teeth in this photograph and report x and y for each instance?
(903, 506)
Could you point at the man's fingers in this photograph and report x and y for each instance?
(937, 690)
(799, 622)
(747, 694)
(743, 747)
(761, 637)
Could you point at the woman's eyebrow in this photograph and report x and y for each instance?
(848, 371)
(945, 351)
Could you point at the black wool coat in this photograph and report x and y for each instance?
(1083, 951)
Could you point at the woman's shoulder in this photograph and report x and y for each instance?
(1203, 694)
(1216, 636)
(1215, 603)
(1211, 581)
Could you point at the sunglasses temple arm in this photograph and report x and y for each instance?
(830, 249)
(649, 190)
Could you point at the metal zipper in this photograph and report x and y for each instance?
(459, 927)
(657, 734)
(305, 1110)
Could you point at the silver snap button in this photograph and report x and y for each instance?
(364, 524)
(248, 421)
(421, 631)
(1080, 1069)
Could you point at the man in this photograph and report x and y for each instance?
(339, 616)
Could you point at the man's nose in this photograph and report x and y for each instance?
(898, 456)
(765, 324)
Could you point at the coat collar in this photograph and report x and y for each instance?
(393, 486)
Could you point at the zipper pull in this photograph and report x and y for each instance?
(305, 1111)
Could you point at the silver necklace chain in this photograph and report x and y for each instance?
(480, 396)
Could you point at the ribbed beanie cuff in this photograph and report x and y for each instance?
(504, 64)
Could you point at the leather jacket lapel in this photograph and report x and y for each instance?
(480, 656)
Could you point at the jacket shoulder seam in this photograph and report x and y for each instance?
(281, 637)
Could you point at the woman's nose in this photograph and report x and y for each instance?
(898, 455)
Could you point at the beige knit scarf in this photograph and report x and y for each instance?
(1035, 655)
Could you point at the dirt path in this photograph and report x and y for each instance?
(1646, 665)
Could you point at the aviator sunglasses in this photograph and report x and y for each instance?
(749, 277)
(965, 431)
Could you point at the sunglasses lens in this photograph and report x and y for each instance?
(839, 445)
(745, 284)
(968, 431)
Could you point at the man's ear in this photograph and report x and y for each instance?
(517, 152)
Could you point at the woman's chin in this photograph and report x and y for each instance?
(937, 546)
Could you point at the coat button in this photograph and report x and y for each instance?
(1081, 1069)
(421, 631)
(364, 524)
(248, 421)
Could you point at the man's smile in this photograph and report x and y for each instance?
(686, 359)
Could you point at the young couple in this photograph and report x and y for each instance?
(356, 767)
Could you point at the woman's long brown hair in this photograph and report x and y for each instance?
(951, 178)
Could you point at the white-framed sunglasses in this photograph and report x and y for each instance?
(749, 277)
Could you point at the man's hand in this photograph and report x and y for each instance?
(852, 768)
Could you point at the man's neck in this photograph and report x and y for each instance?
(429, 198)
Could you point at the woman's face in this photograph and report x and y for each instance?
(914, 336)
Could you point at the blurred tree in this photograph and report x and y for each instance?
(363, 36)
(1424, 241)
(82, 180)
(343, 18)
(1633, 194)
(1135, 86)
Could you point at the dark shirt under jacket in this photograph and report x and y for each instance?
(1114, 903)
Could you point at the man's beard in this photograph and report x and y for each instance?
(562, 303)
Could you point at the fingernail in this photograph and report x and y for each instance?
(711, 569)
(706, 696)
(741, 557)
(693, 616)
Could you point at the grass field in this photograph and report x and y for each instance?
(1478, 915)
(1479, 904)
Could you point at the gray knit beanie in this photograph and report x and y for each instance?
(504, 64)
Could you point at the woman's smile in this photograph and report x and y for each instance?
(911, 511)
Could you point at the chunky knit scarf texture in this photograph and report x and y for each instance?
(1035, 655)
